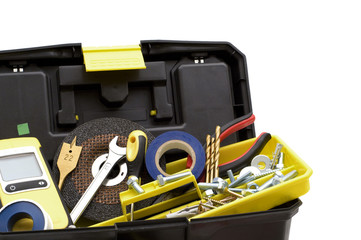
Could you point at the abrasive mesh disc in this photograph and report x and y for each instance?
(94, 137)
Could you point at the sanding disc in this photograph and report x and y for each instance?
(94, 137)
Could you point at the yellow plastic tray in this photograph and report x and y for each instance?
(263, 200)
(260, 201)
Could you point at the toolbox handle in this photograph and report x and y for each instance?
(61, 51)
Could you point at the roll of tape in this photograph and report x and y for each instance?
(174, 140)
(20, 209)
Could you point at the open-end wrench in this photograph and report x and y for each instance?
(116, 153)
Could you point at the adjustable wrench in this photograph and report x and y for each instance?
(116, 154)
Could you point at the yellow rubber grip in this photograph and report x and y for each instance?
(133, 144)
(136, 149)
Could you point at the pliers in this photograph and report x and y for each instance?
(245, 159)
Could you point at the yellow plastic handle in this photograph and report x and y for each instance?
(136, 149)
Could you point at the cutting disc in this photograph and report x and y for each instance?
(94, 137)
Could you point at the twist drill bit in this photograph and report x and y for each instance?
(208, 159)
(212, 160)
(216, 151)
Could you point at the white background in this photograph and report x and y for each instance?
(304, 61)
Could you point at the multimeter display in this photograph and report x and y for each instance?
(19, 167)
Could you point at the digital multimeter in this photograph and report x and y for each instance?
(24, 174)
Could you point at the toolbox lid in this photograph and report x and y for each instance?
(187, 86)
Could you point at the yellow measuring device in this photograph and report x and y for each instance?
(24, 176)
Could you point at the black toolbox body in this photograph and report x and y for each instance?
(193, 86)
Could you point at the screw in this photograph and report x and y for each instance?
(237, 190)
(163, 180)
(254, 177)
(233, 193)
(244, 192)
(214, 201)
(230, 175)
(227, 199)
(280, 164)
(208, 193)
(270, 182)
(290, 175)
(220, 186)
(207, 205)
(241, 179)
(276, 155)
(216, 186)
(200, 208)
(206, 186)
(133, 183)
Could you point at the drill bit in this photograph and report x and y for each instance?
(208, 159)
(212, 160)
(216, 151)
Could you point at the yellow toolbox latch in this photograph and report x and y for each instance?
(113, 58)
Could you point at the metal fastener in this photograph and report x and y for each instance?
(230, 175)
(133, 183)
(241, 178)
(262, 162)
(220, 186)
(276, 155)
(163, 180)
(208, 193)
(288, 176)
(206, 186)
(257, 176)
(254, 170)
(280, 164)
(270, 182)
(214, 201)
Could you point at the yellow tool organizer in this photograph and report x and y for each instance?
(265, 199)
(153, 189)
(260, 201)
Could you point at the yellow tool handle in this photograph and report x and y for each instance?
(136, 149)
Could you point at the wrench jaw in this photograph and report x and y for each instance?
(115, 152)
(114, 180)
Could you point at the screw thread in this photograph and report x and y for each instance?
(214, 201)
(268, 172)
(234, 194)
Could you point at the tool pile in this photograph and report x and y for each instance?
(207, 188)
(138, 137)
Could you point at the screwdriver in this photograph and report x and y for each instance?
(136, 149)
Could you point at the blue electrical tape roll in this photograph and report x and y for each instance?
(174, 140)
(17, 210)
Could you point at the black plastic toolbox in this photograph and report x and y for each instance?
(271, 224)
(188, 83)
